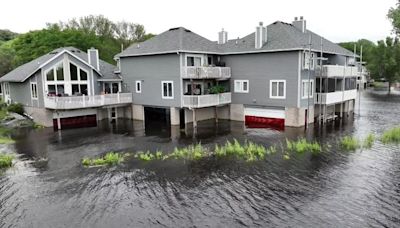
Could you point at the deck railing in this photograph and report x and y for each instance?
(335, 97)
(206, 72)
(339, 71)
(201, 101)
(77, 102)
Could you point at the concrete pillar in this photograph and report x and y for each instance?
(237, 112)
(138, 112)
(175, 116)
(216, 114)
(58, 123)
(194, 118)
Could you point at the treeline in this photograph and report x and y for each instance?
(382, 58)
(83, 33)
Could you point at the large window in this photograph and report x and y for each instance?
(194, 61)
(167, 88)
(55, 80)
(277, 89)
(34, 93)
(241, 86)
(307, 89)
(138, 86)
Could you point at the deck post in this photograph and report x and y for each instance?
(58, 123)
(194, 118)
(216, 114)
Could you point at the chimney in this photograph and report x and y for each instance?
(222, 37)
(260, 36)
(93, 58)
(300, 24)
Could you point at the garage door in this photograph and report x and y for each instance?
(76, 122)
(264, 118)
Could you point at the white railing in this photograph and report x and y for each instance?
(206, 72)
(76, 102)
(335, 97)
(339, 71)
(201, 101)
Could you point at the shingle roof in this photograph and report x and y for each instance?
(22, 72)
(281, 37)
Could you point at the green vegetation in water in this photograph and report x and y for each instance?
(302, 145)
(37, 126)
(6, 161)
(148, 156)
(249, 151)
(110, 158)
(391, 136)
(195, 152)
(6, 140)
(369, 141)
(349, 143)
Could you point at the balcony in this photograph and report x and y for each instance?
(335, 97)
(221, 73)
(78, 102)
(202, 101)
(339, 71)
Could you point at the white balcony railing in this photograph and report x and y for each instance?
(201, 101)
(206, 72)
(339, 71)
(335, 97)
(77, 102)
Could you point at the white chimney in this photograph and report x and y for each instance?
(93, 58)
(222, 37)
(260, 36)
(300, 24)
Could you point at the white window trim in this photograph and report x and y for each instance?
(305, 96)
(32, 93)
(162, 89)
(6, 89)
(311, 60)
(194, 55)
(241, 90)
(284, 89)
(136, 86)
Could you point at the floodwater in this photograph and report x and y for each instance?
(48, 187)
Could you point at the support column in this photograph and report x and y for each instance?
(216, 114)
(194, 118)
(175, 116)
(58, 123)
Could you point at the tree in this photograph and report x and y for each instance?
(6, 35)
(394, 17)
(6, 58)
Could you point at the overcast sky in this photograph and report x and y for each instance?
(337, 20)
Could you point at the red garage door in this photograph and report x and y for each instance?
(76, 122)
(264, 118)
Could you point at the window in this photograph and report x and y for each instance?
(73, 71)
(6, 88)
(83, 75)
(307, 89)
(50, 75)
(34, 94)
(167, 88)
(60, 72)
(138, 86)
(1, 88)
(277, 89)
(193, 61)
(308, 60)
(241, 86)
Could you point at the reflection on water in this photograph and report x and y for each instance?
(49, 188)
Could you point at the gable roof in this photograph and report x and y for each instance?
(281, 37)
(23, 72)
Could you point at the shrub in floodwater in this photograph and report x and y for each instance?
(349, 143)
(391, 136)
(110, 158)
(192, 152)
(302, 146)
(369, 141)
(6, 160)
(271, 150)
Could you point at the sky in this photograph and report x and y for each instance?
(337, 20)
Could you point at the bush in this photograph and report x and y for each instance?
(302, 146)
(6, 160)
(217, 89)
(17, 108)
(369, 141)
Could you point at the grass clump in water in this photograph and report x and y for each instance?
(193, 152)
(301, 146)
(349, 143)
(369, 141)
(391, 136)
(110, 158)
(249, 151)
(6, 161)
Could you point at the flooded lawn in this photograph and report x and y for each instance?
(48, 186)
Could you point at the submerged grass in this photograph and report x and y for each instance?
(349, 143)
(302, 145)
(249, 151)
(110, 158)
(6, 161)
(369, 141)
(391, 136)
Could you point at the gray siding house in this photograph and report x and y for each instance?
(67, 87)
(278, 75)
